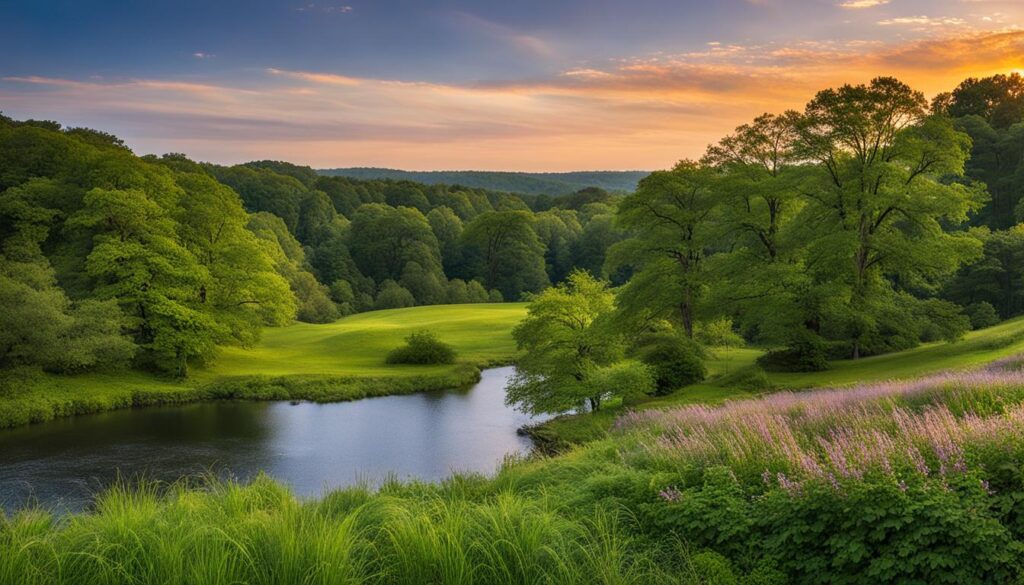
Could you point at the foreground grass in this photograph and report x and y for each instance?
(730, 370)
(337, 361)
(914, 482)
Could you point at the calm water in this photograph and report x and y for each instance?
(309, 446)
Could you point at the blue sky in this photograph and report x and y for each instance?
(527, 85)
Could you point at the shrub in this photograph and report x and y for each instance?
(718, 333)
(676, 361)
(982, 315)
(807, 352)
(626, 380)
(393, 296)
(751, 379)
(422, 347)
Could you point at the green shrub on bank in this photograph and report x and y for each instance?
(422, 348)
(806, 352)
(675, 361)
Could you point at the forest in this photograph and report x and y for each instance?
(871, 222)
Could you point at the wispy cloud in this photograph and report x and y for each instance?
(923, 21)
(862, 3)
(508, 35)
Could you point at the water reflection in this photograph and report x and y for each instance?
(310, 446)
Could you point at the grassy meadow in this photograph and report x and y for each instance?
(343, 360)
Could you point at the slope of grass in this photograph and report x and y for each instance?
(336, 361)
(728, 367)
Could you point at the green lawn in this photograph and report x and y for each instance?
(357, 345)
(343, 360)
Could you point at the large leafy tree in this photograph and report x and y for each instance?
(503, 247)
(383, 239)
(565, 337)
(876, 196)
(672, 219)
(137, 259)
(244, 291)
(759, 281)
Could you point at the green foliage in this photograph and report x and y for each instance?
(982, 315)
(422, 347)
(384, 239)
(564, 336)
(806, 352)
(675, 360)
(503, 247)
(624, 380)
(393, 296)
(718, 333)
(997, 278)
(671, 215)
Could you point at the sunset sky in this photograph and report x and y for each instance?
(538, 85)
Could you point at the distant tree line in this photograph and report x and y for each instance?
(557, 184)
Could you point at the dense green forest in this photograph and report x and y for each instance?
(868, 223)
(109, 258)
(512, 182)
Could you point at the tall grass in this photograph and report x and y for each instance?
(261, 534)
(929, 426)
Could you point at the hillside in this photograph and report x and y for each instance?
(512, 182)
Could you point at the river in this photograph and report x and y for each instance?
(312, 447)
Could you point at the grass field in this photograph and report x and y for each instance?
(357, 345)
(336, 361)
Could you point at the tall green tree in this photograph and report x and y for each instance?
(503, 247)
(876, 195)
(672, 219)
(383, 239)
(137, 259)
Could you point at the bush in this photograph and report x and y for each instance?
(982, 315)
(422, 347)
(751, 379)
(807, 352)
(718, 333)
(393, 296)
(676, 361)
(626, 380)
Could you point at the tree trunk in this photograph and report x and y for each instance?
(686, 313)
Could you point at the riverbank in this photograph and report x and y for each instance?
(332, 362)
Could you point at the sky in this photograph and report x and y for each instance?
(531, 85)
